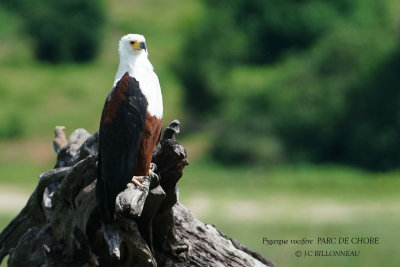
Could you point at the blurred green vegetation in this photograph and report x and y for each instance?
(267, 85)
(63, 30)
(298, 81)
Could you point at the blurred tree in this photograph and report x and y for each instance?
(210, 52)
(291, 80)
(249, 32)
(374, 140)
(276, 27)
(62, 30)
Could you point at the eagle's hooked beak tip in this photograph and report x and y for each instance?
(143, 46)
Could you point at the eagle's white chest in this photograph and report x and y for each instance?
(150, 86)
(141, 69)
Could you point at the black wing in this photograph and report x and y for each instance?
(121, 127)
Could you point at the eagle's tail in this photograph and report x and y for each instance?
(105, 195)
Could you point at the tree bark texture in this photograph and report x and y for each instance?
(61, 225)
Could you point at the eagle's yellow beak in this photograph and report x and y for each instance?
(138, 45)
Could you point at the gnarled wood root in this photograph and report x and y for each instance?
(61, 226)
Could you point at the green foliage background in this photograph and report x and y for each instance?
(62, 30)
(298, 81)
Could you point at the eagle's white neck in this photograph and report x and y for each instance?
(139, 67)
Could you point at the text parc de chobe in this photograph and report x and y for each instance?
(348, 240)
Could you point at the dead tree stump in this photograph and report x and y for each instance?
(61, 225)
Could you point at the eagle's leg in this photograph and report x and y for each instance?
(151, 176)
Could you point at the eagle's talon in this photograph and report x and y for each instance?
(154, 179)
(138, 180)
(153, 167)
(151, 174)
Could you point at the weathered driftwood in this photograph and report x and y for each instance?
(61, 226)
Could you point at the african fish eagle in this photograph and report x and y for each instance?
(130, 124)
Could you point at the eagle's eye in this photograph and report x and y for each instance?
(132, 42)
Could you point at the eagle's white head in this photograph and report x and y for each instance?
(132, 45)
(133, 56)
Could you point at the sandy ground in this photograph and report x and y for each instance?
(13, 199)
(280, 208)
